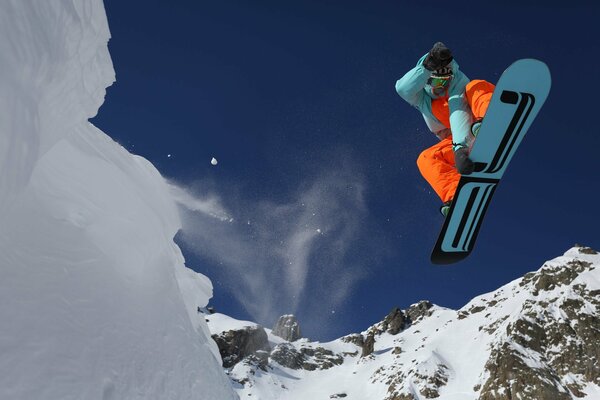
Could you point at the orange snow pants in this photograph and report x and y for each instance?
(437, 162)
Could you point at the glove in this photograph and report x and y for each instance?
(464, 164)
(439, 56)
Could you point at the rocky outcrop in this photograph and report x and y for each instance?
(585, 250)
(286, 355)
(307, 358)
(250, 345)
(368, 346)
(320, 358)
(536, 338)
(551, 277)
(236, 345)
(424, 379)
(287, 328)
(551, 341)
(418, 311)
(512, 377)
(355, 338)
(394, 322)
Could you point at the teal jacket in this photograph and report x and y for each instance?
(413, 88)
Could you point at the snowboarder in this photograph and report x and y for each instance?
(453, 108)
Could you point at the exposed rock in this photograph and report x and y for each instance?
(462, 314)
(338, 396)
(306, 358)
(491, 328)
(577, 337)
(476, 309)
(285, 354)
(287, 328)
(205, 310)
(553, 340)
(355, 338)
(511, 378)
(586, 250)
(540, 335)
(320, 358)
(550, 277)
(358, 340)
(428, 382)
(394, 322)
(235, 345)
(431, 384)
(259, 359)
(418, 311)
(369, 345)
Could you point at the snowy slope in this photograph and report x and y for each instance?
(535, 338)
(95, 300)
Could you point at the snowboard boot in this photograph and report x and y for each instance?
(445, 208)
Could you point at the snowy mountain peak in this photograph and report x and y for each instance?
(534, 338)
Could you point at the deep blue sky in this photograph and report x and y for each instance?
(278, 90)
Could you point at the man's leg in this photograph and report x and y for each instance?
(437, 167)
(479, 94)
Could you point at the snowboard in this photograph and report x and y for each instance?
(517, 99)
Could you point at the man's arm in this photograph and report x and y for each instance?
(460, 122)
(460, 112)
(410, 86)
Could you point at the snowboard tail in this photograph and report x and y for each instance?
(463, 221)
(517, 99)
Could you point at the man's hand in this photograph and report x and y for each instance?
(464, 164)
(439, 56)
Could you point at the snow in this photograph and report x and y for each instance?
(219, 323)
(444, 344)
(592, 391)
(95, 299)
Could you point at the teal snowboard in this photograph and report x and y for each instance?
(517, 99)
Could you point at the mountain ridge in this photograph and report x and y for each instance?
(534, 338)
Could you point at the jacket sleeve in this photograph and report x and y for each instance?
(410, 86)
(434, 125)
(460, 113)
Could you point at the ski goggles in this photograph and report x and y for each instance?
(439, 81)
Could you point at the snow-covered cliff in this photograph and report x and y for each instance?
(95, 300)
